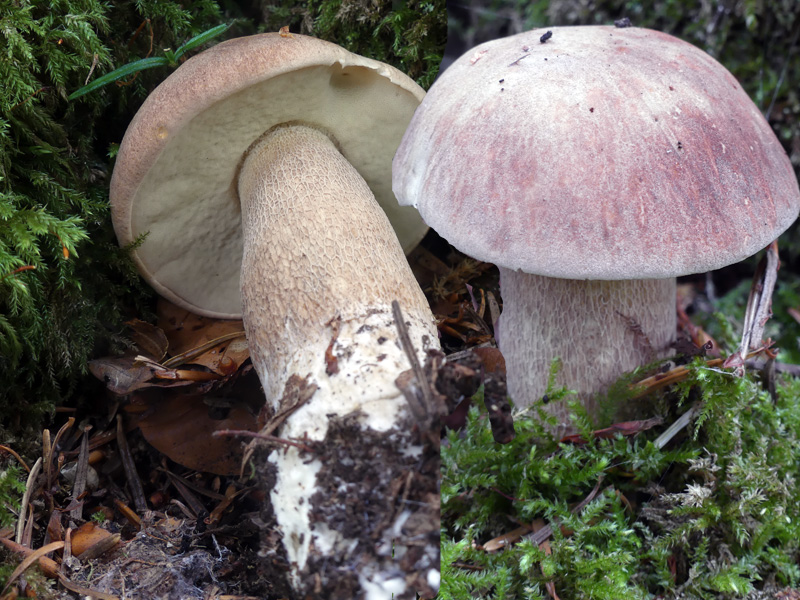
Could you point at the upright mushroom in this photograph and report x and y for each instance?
(593, 169)
(258, 162)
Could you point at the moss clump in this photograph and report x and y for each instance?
(64, 284)
(409, 34)
(710, 515)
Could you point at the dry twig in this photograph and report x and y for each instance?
(26, 498)
(135, 484)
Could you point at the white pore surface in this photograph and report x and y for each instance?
(175, 178)
(369, 359)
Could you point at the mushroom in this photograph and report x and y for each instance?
(259, 161)
(593, 170)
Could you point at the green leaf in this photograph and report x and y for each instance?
(170, 59)
(201, 39)
(124, 71)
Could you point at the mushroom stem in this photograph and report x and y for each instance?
(321, 266)
(599, 330)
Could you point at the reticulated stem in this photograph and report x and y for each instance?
(599, 330)
(321, 267)
(318, 251)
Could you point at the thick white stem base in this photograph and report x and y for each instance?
(321, 267)
(361, 387)
(599, 330)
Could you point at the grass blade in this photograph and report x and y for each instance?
(201, 39)
(124, 71)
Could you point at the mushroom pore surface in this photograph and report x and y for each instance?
(174, 179)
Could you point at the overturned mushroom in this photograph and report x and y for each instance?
(260, 161)
(593, 170)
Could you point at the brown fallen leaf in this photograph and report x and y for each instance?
(180, 428)
(507, 539)
(54, 528)
(124, 375)
(698, 336)
(87, 535)
(149, 339)
(457, 418)
(163, 372)
(230, 496)
(625, 428)
(492, 359)
(221, 344)
(119, 374)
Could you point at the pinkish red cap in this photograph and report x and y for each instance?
(603, 153)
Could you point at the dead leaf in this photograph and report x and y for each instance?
(54, 529)
(759, 308)
(457, 419)
(86, 536)
(119, 374)
(699, 337)
(230, 495)
(625, 428)
(149, 339)
(163, 372)
(124, 375)
(180, 428)
(187, 331)
(507, 539)
(492, 359)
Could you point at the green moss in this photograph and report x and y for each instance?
(12, 487)
(710, 515)
(64, 283)
(408, 34)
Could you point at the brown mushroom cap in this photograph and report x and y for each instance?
(603, 153)
(175, 177)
